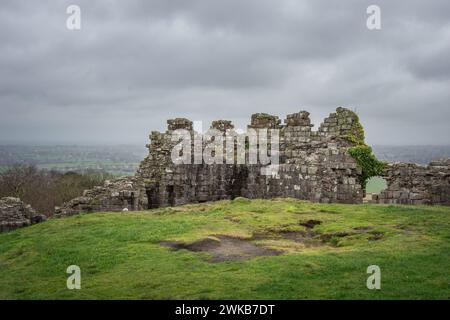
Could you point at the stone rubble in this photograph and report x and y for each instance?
(16, 214)
(115, 195)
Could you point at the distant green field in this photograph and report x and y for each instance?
(323, 251)
(119, 159)
(116, 168)
(376, 185)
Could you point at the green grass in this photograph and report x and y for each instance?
(120, 256)
(376, 185)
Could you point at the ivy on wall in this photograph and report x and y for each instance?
(363, 154)
(369, 164)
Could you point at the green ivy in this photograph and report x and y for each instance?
(363, 154)
(357, 132)
(369, 164)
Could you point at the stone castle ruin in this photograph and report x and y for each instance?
(313, 165)
(15, 214)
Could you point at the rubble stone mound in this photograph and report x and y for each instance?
(121, 194)
(16, 214)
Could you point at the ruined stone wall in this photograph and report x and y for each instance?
(115, 195)
(16, 214)
(314, 165)
(169, 184)
(317, 166)
(414, 184)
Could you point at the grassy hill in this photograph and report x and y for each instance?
(241, 249)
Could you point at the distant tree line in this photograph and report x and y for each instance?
(45, 189)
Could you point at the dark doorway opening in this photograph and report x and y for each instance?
(170, 195)
(238, 181)
(152, 197)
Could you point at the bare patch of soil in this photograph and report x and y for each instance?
(224, 248)
(310, 223)
(308, 238)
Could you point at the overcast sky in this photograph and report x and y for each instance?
(135, 64)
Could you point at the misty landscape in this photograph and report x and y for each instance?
(124, 159)
(115, 159)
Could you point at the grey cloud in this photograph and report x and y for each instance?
(136, 63)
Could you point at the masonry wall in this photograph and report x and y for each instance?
(314, 165)
(414, 184)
